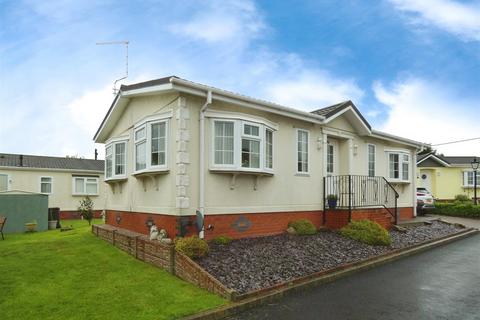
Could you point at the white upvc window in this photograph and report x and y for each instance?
(46, 185)
(371, 159)
(468, 179)
(241, 146)
(151, 146)
(85, 186)
(116, 160)
(302, 151)
(399, 166)
(330, 158)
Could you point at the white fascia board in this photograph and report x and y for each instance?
(390, 137)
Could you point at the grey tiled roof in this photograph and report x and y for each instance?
(42, 162)
(458, 160)
(328, 111)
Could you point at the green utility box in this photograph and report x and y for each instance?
(22, 207)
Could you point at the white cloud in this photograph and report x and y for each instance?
(431, 113)
(222, 21)
(459, 18)
(309, 90)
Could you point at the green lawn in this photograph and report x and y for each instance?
(74, 275)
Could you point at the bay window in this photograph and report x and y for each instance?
(85, 185)
(399, 166)
(151, 145)
(116, 160)
(242, 146)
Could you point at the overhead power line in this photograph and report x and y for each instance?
(452, 142)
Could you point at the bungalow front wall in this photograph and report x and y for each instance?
(272, 175)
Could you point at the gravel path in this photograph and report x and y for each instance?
(251, 264)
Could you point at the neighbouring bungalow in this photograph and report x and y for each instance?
(65, 180)
(445, 177)
(178, 152)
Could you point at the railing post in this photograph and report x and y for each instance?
(349, 198)
(396, 210)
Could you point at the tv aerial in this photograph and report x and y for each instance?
(125, 43)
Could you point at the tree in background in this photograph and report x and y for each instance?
(86, 209)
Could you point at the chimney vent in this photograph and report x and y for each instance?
(21, 160)
(96, 154)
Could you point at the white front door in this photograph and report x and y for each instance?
(426, 179)
(3, 182)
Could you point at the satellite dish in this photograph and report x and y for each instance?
(200, 220)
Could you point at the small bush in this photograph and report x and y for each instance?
(368, 232)
(193, 247)
(464, 209)
(303, 227)
(462, 198)
(223, 240)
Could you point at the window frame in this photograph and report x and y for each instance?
(297, 151)
(112, 144)
(374, 160)
(401, 162)
(84, 193)
(466, 173)
(238, 137)
(51, 184)
(147, 139)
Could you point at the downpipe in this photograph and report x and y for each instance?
(201, 198)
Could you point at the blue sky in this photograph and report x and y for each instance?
(412, 67)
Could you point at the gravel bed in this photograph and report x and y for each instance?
(255, 263)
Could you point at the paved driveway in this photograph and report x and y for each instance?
(443, 283)
(475, 223)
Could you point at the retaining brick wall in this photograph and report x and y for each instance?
(162, 255)
(74, 214)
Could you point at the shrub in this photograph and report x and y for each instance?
(465, 209)
(303, 227)
(223, 240)
(368, 232)
(462, 198)
(86, 209)
(193, 247)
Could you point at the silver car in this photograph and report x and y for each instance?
(425, 200)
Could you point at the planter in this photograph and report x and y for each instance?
(52, 225)
(31, 227)
(332, 203)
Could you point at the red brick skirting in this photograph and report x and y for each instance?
(75, 214)
(248, 224)
(162, 255)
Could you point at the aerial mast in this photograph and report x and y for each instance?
(125, 43)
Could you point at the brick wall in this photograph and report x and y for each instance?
(74, 214)
(256, 224)
(137, 221)
(163, 256)
(336, 219)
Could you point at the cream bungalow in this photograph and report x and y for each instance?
(65, 180)
(179, 151)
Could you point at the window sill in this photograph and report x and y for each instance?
(240, 171)
(150, 172)
(399, 182)
(84, 195)
(471, 187)
(302, 174)
(115, 180)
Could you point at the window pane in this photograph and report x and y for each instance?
(158, 144)
(251, 130)
(371, 160)
(394, 166)
(3, 182)
(269, 149)
(250, 153)
(79, 185)
(223, 142)
(405, 171)
(140, 134)
(330, 164)
(46, 188)
(302, 151)
(120, 158)
(141, 156)
(92, 188)
(108, 161)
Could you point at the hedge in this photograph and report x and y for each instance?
(467, 210)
